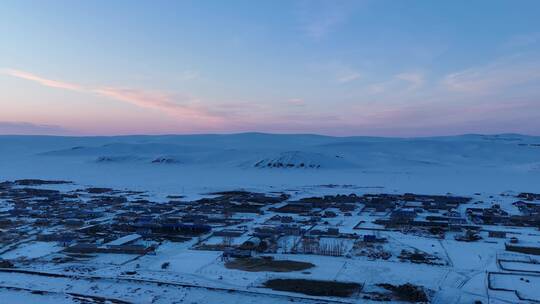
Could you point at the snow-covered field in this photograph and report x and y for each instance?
(194, 163)
(489, 168)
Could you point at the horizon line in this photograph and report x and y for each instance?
(267, 133)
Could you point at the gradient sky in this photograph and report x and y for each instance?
(390, 68)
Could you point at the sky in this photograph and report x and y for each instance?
(378, 68)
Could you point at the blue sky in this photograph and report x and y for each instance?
(392, 68)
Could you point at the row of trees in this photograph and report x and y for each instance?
(313, 245)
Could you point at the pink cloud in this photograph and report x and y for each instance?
(188, 109)
(43, 81)
(381, 116)
(160, 101)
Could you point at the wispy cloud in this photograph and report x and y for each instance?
(43, 81)
(188, 107)
(405, 82)
(337, 71)
(348, 77)
(491, 78)
(401, 104)
(344, 73)
(180, 106)
(415, 79)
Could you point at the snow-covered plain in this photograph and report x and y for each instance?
(486, 167)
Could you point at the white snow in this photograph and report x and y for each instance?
(32, 250)
(459, 164)
(196, 165)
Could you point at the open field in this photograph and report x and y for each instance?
(262, 264)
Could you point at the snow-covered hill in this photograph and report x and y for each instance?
(462, 162)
